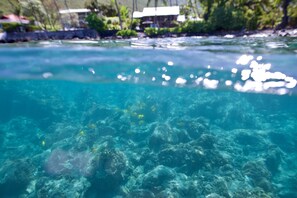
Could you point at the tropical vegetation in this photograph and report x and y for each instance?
(214, 15)
(127, 33)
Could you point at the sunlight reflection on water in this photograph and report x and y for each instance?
(248, 64)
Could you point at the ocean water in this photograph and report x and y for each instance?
(169, 118)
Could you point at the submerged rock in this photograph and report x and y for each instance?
(207, 141)
(163, 134)
(141, 193)
(283, 140)
(110, 171)
(247, 138)
(156, 179)
(64, 187)
(187, 157)
(147, 109)
(97, 113)
(213, 195)
(194, 127)
(257, 171)
(273, 160)
(70, 163)
(15, 177)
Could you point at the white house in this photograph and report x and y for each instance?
(159, 16)
(81, 14)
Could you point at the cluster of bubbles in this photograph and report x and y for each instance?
(249, 75)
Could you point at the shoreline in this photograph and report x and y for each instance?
(88, 34)
(231, 34)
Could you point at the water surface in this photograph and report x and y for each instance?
(176, 117)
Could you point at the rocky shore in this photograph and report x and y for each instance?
(87, 34)
(58, 35)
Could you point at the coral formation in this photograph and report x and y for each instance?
(95, 141)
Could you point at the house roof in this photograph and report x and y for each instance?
(12, 18)
(68, 11)
(157, 11)
(137, 14)
(181, 18)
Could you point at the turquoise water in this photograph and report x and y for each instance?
(178, 117)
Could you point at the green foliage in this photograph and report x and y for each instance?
(107, 10)
(270, 20)
(292, 11)
(92, 5)
(70, 20)
(227, 18)
(9, 6)
(194, 27)
(127, 33)
(219, 15)
(32, 28)
(187, 27)
(124, 13)
(227, 15)
(34, 8)
(152, 32)
(112, 23)
(252, 20)
(95, 22)
(11, 27)
(135, 23)
(15, 27)
(185, 10)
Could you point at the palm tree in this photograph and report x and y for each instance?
(133, 6)
(285, 18)
(192, 7)
(136, 5)
(208, 5)
(119, 13)
(58, 10)
(47, 13)
(156, 3)
(70, 15)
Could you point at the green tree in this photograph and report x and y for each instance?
(285, 18)
(71, 16)
(92, 5)
(118, 12)
(292, 12)
(96, 22)
(52, 13)
(70, 20)
(207, 6)
(56, 8)
(124, 13)
(227, 18)
(102, 8)
(35, 8)
(133, 8)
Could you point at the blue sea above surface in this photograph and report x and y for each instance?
(265, 65)
(175, 117)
